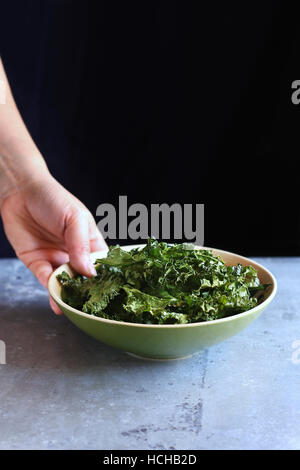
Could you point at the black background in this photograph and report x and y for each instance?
(185, 102)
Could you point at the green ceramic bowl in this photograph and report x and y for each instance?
(164, 341)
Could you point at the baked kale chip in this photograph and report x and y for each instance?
(163, 284)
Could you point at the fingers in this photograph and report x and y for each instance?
(35, 259)
(42, 264)
(56, 257)
(42, 270)
(54, 307)
(77, 239)
(97, 242)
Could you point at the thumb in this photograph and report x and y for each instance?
(78, 244)
(97, 242)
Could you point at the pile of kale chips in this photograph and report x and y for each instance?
(161, 284)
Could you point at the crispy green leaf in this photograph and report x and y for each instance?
(163, 283)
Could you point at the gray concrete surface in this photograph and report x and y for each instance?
(60, 389)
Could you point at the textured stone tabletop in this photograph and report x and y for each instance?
(61, 389)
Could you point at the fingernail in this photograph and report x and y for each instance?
(90, 269)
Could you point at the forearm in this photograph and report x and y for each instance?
(20, 159)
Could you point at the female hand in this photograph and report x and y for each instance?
(47, 226)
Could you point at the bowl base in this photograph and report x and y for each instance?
(157, 358)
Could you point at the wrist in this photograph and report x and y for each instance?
(20, 170)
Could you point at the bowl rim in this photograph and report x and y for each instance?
(263, 305)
